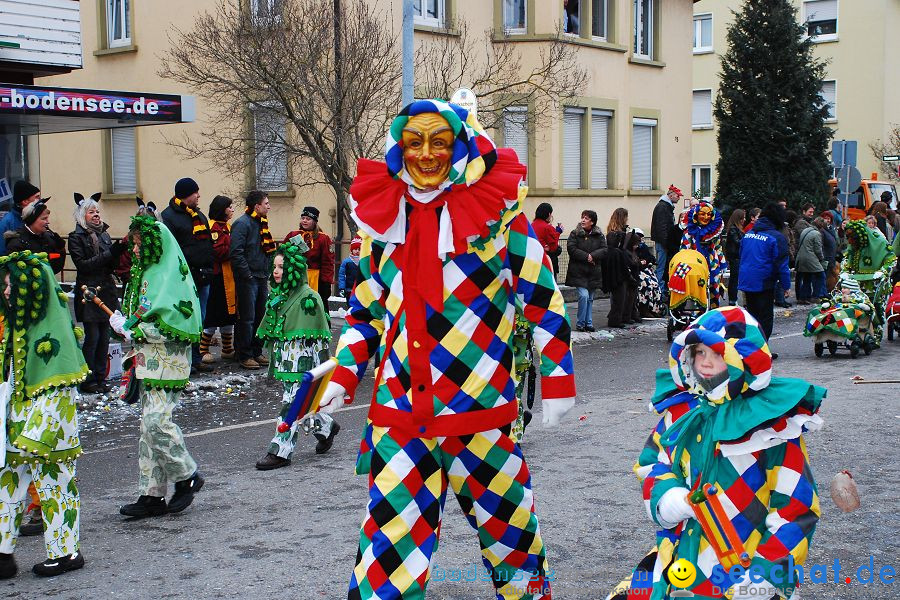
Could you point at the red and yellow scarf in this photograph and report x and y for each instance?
(201, 229)
(268, 244)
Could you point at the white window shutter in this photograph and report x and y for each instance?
(829, 95)
(122, 155)
(642, 155)
(821, 10)
(701, 110)
(271, 160)
(515, 131)
(572, 119)
(600, 149)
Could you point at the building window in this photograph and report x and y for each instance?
(514, 16)
(515, 131)
(599, 18)
(821, 17)
(123, 160)
(572, 134)
(701, 109)
(270, 158)
(429, 12)
(642, 133)
(118, 25)
(572, 16)
(703, 25)
(829, 97)
(643, 28)
(600, 120)
(701, 181)
(266, 10)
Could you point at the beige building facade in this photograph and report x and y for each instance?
(625, 139)
(859, 41)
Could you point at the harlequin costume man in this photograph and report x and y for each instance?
(727, 422)
(448, 259)
(703, 233)
(869, 260)
(297, 330)
(162, 292)
(42, 367)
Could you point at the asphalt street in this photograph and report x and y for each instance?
(293, 532)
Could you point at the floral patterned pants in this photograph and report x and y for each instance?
(282, 445)
(162, 455)
(60, 504)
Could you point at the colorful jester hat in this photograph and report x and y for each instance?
(704, 224)
(38, 328)
(161, 280)
(748, 405)
(867, 250)
(294, 309)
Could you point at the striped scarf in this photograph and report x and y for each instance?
(200, 229)
(268, 244)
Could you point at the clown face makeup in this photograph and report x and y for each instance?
(427, 149)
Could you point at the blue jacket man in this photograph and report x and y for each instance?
(764, 263)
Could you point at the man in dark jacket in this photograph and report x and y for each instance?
(764, 263)
(23, 194)
(664, 235)
(191, 230)
(251, 247)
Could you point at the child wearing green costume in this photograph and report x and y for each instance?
(42, 366)
(297, 329)
(162, 319)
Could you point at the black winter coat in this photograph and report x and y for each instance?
(662, 227)
(247, 256)
(197, 253)
(581, 273)
(49, 242)
(94, 268)
(733, 244)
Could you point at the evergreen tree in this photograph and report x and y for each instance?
(773, 141)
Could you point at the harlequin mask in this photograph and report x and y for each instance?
(427, 149)
(704, 215)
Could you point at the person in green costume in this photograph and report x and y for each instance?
(297, 329)
(869, 260)
(162, 319)
(42, 367)
(727, 422)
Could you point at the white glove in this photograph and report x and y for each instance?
(673, 508)
(747, 590)
(555, 409)
(334, 397)
(117, 322)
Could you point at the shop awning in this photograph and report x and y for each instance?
(38, 110)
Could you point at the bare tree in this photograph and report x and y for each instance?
(881, 148)
(492, 67)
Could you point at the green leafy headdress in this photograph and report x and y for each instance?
(161, 280)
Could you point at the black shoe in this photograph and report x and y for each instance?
(58, 566)
(89, 388)
(271, 461)
(774, 356)
(325, 443)
(202, 367)
(146, 506)
(184, 492)
(35, 526)
(580, 328)
(8, 568)
(589, 328)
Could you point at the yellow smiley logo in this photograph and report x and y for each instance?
(682, 573)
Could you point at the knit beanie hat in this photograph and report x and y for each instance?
(310, 211)
(34, 210)
(355, 243)
(23, 190)
(184, 187)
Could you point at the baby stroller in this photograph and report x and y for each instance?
(893, 313)
(845, 319)
(688, 290)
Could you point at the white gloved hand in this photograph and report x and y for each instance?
(747, 590)
(555, 409)
(117, 322)
(673, 508)
(333, 398)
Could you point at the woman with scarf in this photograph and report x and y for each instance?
(95, 256)
(703, 233)
(41, 366)
(35, 235)
(320, 258)
(728, 423)
(221, 309)
(297, 330)
(162, 320)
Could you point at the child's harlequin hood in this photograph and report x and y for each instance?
(736, 335)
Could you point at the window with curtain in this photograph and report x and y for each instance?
(701, 179)
(703, 26)
(821, 17)
(829, 95)
(643, 28)
(514, 16)
(429, 12)
(600, 120)
(642, 131)
(123, 160)
(270, 159)
(701, 109)
(118, 26)
(515, 131)
(572, 132)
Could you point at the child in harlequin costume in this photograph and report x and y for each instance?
(703, 232)
(297, 328)
(42, 367)
(869, 260)
(448, 259)
(161, 287)
(727, 422)
(843, 314)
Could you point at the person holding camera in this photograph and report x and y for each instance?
(191, 230)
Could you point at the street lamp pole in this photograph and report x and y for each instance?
(408, 76)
